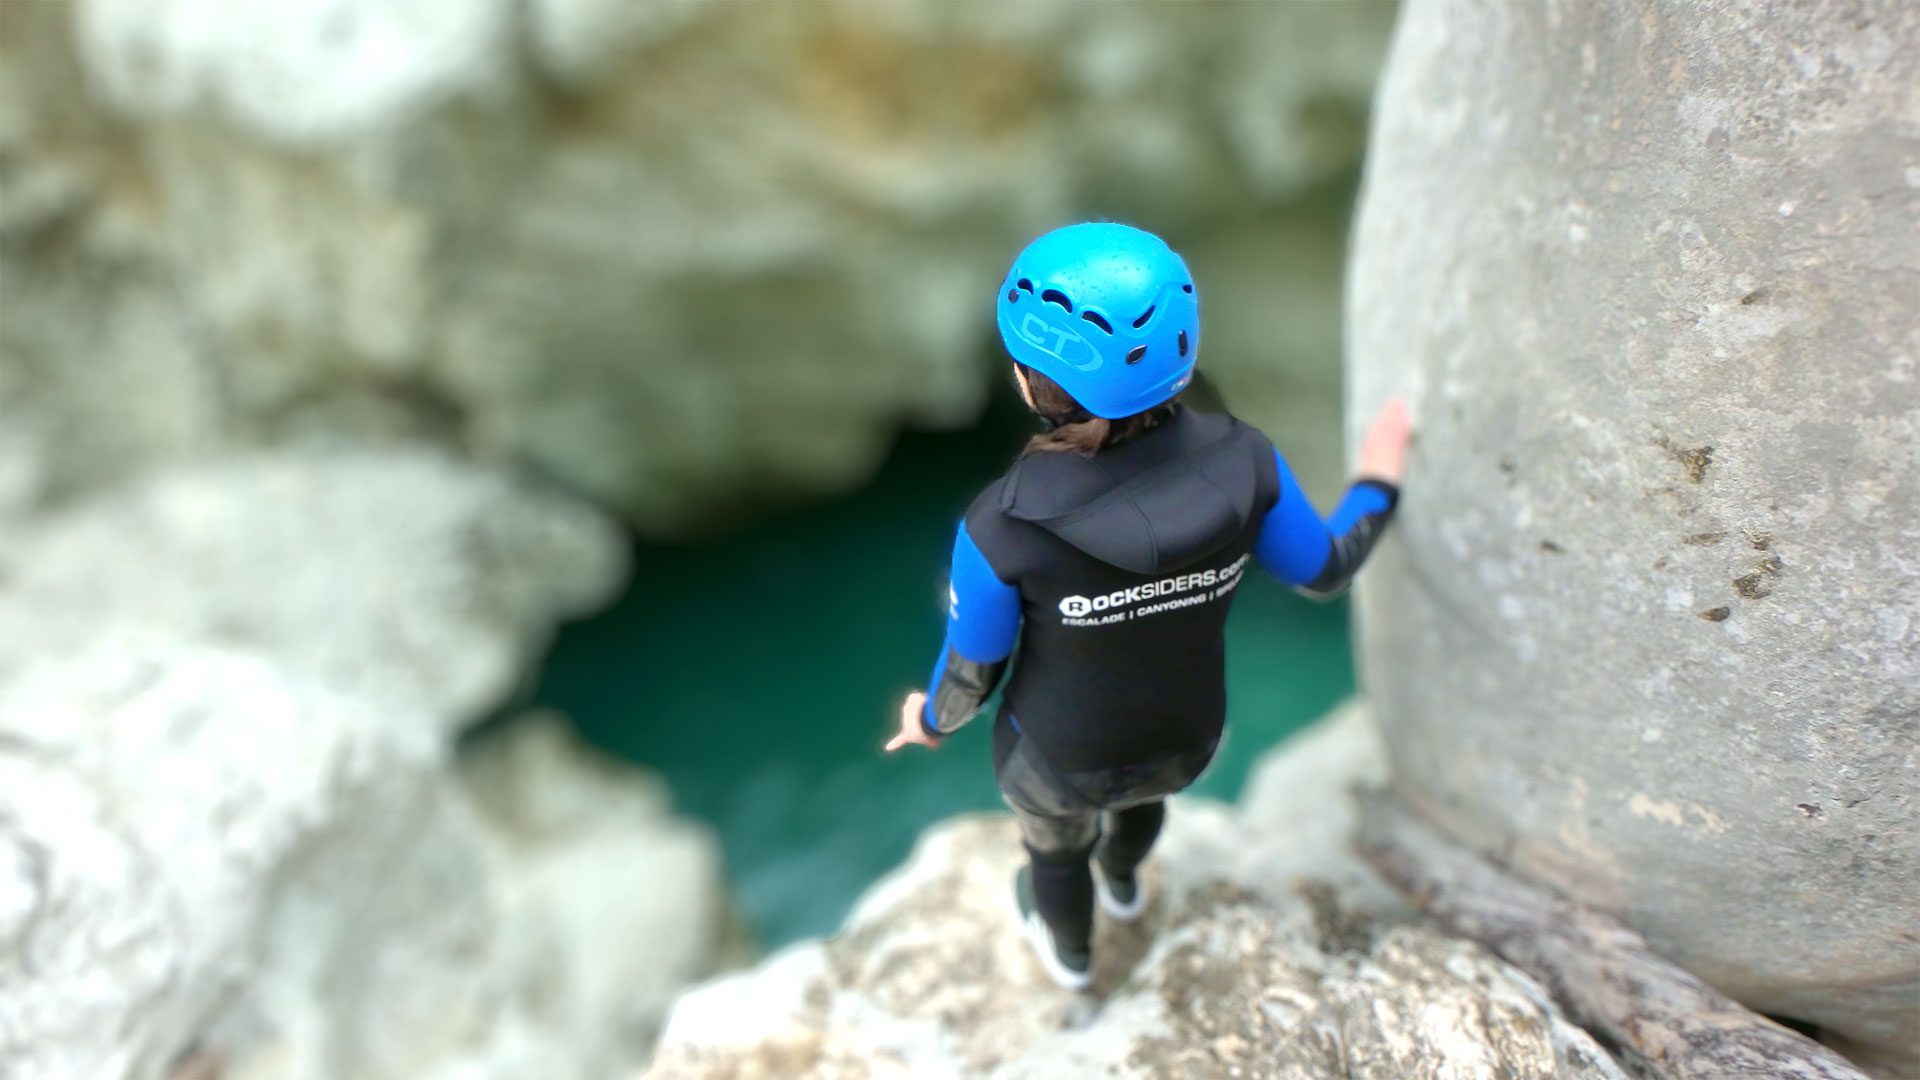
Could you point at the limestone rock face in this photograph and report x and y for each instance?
(677, 255)
(1650, 631)
(627, 900)
(401, 576)
(231, 840)
(1240, 967)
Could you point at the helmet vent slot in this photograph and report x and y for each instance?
(1055, 296)
(1187, 288)
(1142, 320)
(1183, 343)
(1026, 285)
(1098, 320)
(1136, 354)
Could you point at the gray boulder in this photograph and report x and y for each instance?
(1650, 630)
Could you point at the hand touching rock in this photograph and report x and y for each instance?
(1383, 452)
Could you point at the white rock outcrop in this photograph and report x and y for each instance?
(232, 841)
(1650, 629)
(676, 255)
(1268, 951)
(624, 902)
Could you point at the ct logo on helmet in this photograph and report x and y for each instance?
(1059, 342)
(1073, 607)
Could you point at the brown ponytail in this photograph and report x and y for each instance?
(1077, 431)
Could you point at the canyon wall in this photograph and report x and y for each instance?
(683, 258)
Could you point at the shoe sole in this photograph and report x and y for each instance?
(1035, 931)
(1111, 904)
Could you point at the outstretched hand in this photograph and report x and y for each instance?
(910, 729)
(1383, 451)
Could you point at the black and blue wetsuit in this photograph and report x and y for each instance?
(1105, 582)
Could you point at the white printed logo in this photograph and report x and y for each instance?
(1154, 597)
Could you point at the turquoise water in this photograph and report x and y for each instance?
(761, 672)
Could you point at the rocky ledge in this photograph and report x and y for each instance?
(1268, 950)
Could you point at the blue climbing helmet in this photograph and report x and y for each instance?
(1107, 311)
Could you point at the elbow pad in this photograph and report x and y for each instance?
(963, 686)
(1351, 545)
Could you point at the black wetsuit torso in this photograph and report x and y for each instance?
(1127, 563)
(1107, 579)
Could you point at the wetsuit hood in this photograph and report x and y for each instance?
(1162, 500)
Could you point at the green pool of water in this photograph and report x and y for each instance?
(761, 673)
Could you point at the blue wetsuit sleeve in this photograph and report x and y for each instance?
(1315, 556)
(983, 620)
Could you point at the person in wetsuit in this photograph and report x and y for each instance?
(1101, 568)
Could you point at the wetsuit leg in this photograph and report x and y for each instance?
(1058, 827)
(1130, 834)
(1063, 891)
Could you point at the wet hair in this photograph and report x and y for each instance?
(1072, 429)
